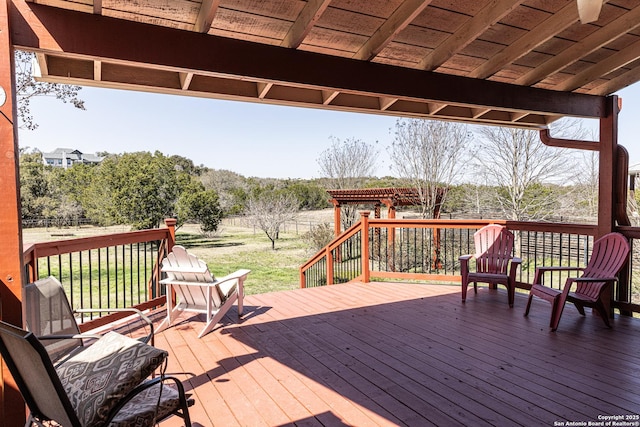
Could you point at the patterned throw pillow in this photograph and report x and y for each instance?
(97, 378)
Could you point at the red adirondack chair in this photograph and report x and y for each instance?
(609, 254)
(494, 255)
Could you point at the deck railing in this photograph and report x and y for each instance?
(428, 250)
(110, 271)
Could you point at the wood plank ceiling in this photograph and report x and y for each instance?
(508, 62)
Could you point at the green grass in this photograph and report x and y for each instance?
(236, 248)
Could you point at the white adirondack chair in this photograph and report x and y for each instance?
(197, 290)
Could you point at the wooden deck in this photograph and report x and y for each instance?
(405, 354)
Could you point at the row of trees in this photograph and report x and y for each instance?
(508, 173)
(141, 189)
(489, 170)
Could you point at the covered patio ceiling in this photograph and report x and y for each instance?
(520, 63)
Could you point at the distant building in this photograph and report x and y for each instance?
(67, 157)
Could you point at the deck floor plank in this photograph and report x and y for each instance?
(404, 354)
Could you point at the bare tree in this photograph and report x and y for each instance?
(347, 164)
(230, 186)
(269, 210)
(27, 87)
(587, 185)
(519, 163)
(428, 154)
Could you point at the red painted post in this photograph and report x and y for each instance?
(607, 164)
(171, 241)
(329, 256)
(171, 225)
(11, 269)
(365, 246)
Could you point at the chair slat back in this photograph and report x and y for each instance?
(609, 254)
(48, 312)
(33, 372)
(194, 296)
(494, 249)
(179, 257)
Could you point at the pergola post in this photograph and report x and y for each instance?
(11, 271)
(607, 167)
(336, 217)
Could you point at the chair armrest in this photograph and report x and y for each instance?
(516, 260)
(69, 337)
(592, 279)
(132, 310)
(172, 269)
(233, 276)
(537, 278)
(559, 268)
(465, 257)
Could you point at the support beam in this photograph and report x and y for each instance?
(11, 271)
(97, 7)
(401, 18)
(614, 62)
(591, 43)
(525, 44)
(310, 14)
(207, 12)
(71, 34)
(488, 16)
(608, 169)
(263, 89)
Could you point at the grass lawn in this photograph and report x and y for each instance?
(235, 246)
(238, 247)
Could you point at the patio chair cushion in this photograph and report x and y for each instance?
(99, 377)
(148, 407)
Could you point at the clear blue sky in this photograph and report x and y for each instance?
(248, 138)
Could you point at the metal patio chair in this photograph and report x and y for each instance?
(49, 316)
(103, 385)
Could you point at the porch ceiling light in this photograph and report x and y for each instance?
(589, 10)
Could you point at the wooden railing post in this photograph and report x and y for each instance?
(364, 253)
(171, 241)
(329, 256)
(171, 225)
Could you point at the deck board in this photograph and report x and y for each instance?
(403, 354)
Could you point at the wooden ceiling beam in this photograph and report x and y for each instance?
(309, 15)
(263, 89)
(471, 30)
(591, 43)
(556, 23)
(617, 83)
(72, 34)
(207, 12)
(97, 7)
(385, 102)
(185, 80)
(398, 21)
(97, 70)
(602, 68)
(41, 62)
(328, 96)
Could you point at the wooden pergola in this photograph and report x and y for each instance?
(523, 63)
(391, 197)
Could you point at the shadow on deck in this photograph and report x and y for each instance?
(405, 354)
